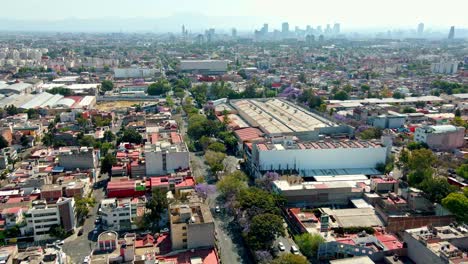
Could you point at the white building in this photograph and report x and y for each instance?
(166, 154)
(42, 216)
(122, 214)
(305, 156)
(450, 67)
(204, 66)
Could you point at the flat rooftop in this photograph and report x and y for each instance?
(328, 144)
(279, 116)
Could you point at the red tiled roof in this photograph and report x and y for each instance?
(248, 133)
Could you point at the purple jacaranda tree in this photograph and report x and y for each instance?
(263, 256)
(204, 190)
(266, 182)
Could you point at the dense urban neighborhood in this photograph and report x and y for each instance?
(285, 147)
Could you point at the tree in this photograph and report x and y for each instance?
(263, 231)
(436, 188)
(408, 110)
(457, 203)
(421, 159)
(32, 113)
(82, 205)
(217, 147)
(108, 136)
(87, 141)
(157, 207)
(398, 95)
(160, 87)
(131, 136)
(371, 133)
(462, 171)
(107, 85)
(302, 77)
(413, 145)
(262, 201)
(61, 90)
(341, 95)
(232, 184)
(11, 110)
(365, 88)
(204, 190)
(215, 160)
(290, 258)
(107, 163)
(58, 232)
(309, 244)
(105, 147)
(3, 142)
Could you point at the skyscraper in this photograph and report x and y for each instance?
(265, 28)
(451, 33)
(420, 28)
(285, 27)
(183, 30)
(336, 28)
(234, 33)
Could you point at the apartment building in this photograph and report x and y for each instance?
(122, 214)
(42, 216)
(191, 226)
(166, 154)
(72, 158)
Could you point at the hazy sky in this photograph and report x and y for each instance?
(350, 13)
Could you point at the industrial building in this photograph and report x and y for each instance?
(443, 137)
(276, 117)
(305, 157)
(48, 101)
(166, 153)
(205, 67)
(135, 72)
(20, 88)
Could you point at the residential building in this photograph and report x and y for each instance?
(191, 226)
(42, 216)
(122, 214)
(438, 245)
(167, 153)
(135, 72)
(450, 67)
(72, 158)
(443, 137)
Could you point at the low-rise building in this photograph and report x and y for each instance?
(438, 245)
(443, 137)
(72, 158)
(167, 154)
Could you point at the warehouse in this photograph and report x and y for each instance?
(276, 117)
(206, 67)
(304, 156)
(17, 88)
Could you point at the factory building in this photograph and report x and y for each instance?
(205, 67)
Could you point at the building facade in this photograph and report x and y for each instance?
(443, 137)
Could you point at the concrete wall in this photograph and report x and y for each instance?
(176, 160)
(418, 252)
(310, 159)
(81, 160)
(200, 235)
(442, 141)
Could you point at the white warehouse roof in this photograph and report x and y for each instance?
(64, 102)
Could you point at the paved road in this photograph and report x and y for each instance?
(77, 247)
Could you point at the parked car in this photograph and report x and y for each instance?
(295, 250)
(217, 209)
(59, 242)
(281, 246)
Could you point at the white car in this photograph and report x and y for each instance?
(294, 250)
(217, 209)
(86, 260)
(59, 242)
(281, 246)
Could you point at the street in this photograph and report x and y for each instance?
(77, 247)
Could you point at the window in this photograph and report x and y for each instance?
(184, 240)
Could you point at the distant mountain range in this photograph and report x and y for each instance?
(193, 23)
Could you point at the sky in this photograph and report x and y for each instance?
(350, 13)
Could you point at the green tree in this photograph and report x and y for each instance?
(457, 203)
(408, 110)
(82, 205)
(108, 136)
(107, 85)
(436, 188)
(3, 142)
(105, 147)
(58, 232)
(160, 87)
(290, 258)
(309, 244)
(302, 77)
(264, 228)
(87, 141)
(32, 113)
(157, 207)
(371, 133)
(232, 184)
(107, 163)
(259, 199)
(131, 136)
(398, 95)
(215, 160)
(61, 90)
(365, 88)
(421, 159)
(11, 110)
(341, 95)
(462, 171)
(217, 147)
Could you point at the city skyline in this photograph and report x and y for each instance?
(244, 15)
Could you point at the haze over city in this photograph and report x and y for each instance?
(245, 15)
